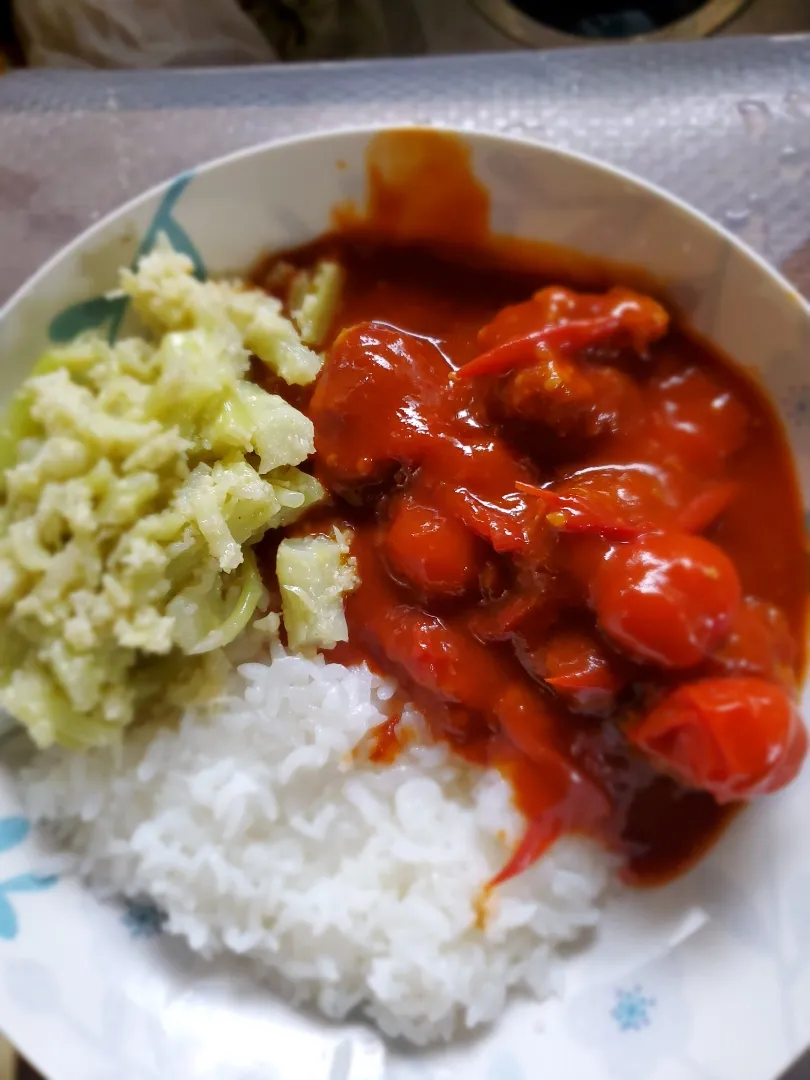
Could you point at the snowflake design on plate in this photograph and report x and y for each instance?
(632, 1009)
(13, 830)
(143, 919)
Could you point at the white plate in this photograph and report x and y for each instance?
(706, 979)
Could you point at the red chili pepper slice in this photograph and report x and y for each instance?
(536, 840)
(577, 334)
(574, 514)
(706, 507)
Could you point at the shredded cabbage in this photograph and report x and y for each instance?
(135, 479)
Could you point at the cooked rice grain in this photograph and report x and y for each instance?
(259, 832)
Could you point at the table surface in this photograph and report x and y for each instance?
(725, 124)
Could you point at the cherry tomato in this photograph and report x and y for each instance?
(667, 598)
(760, 643)
(356, 407)
(735, 738)
(694, 420)
(454, 667)
(528, 721)
(384, 398)
(436, 554)
(583, 671)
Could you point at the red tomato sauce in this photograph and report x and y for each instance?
(580, 558)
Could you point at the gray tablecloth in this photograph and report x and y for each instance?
(724, 123)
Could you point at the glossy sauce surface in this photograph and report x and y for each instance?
(502, 609)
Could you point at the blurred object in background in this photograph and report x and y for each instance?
(138, 33)
(322, 29)
(9, 52)
(613, 18)
(195, 33)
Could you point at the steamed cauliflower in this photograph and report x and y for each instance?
(137, 477)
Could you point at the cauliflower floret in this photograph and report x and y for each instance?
(199, 370)
(166, 450)
(167, 296)
(281, 435)
(227, 499)
(275, 341)
(26, 548)
(60, 458)
(13, 577)
(146, 630)
(163, 288)
(314, 573)
(296, 491)
(128, 500)
(315, 300)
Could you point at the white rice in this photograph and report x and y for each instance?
(257, 831)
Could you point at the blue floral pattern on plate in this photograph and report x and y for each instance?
(13, 831)
(109, 311)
